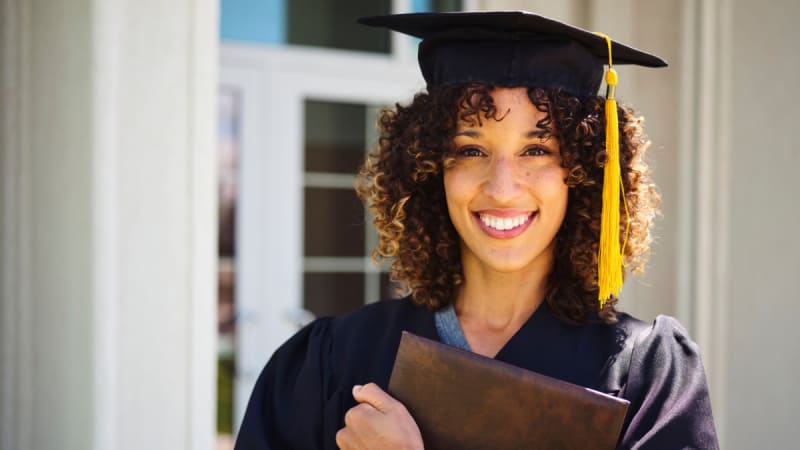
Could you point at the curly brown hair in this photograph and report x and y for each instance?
(403, 185)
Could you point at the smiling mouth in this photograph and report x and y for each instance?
(505, 223)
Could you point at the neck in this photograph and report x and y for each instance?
(501, 301)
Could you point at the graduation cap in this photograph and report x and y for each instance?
(519, 48)
(510, 48)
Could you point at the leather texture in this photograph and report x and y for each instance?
(461, 400)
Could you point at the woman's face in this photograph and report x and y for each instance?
(505, 190)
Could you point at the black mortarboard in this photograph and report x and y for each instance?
(510, 48)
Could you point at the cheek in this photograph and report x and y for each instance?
(458, 195)
(553, 193)
(550, 182)
(456, 187)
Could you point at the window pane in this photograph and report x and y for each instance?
(446, 5)
(334, 223)
(229, 136)
(436, 5)
(333, 294)
(261, 21)
(229, 141)
(332, 24)
(335, 136)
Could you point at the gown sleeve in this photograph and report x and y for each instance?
(293, 404)
(670, 405)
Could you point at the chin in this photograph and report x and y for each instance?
(513, 263)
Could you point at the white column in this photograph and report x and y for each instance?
(703, 189)
(109, 224)
(762, 246)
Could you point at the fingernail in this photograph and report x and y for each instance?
(356, 388)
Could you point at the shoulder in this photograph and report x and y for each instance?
(355, 347)
(343, 342)
(366, 340)
(665, 335)
(380, 318)
(670, 404)
(383, 309)
(372, 321)
(665, 341)
(630, 325)
(659, 349)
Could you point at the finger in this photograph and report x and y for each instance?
(344, 438)
(358, 413)
(349, 438)
(373, 395)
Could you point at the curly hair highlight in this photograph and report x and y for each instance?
(403, 185)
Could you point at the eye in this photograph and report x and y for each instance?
(538, 151)
(470, 152)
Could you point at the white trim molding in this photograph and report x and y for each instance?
(704, 225)
(201, 257)
(106, 250)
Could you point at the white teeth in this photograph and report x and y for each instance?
(501, 223)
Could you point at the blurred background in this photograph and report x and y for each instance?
(176, 193)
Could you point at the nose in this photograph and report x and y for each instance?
(502, 183)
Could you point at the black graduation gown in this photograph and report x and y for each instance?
(301, 397)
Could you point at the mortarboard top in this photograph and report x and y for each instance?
(510, 48)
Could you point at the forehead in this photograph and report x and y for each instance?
(515, 97)
(512, 107)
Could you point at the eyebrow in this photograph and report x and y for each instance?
(541, 134)
(469, 133)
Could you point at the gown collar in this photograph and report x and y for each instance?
(538, 326)
(449, 329)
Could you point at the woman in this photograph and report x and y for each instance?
(488, 195)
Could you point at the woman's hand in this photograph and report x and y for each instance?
(378, 422)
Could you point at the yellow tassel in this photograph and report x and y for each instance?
(610, 255)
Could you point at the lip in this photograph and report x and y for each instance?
(505, 234)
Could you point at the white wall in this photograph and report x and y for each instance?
(108, 224)
(762, 390)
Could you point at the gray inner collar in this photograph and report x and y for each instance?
(449, 329)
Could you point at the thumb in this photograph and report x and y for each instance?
(373, 395)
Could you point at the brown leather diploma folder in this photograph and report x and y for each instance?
(464, 401)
